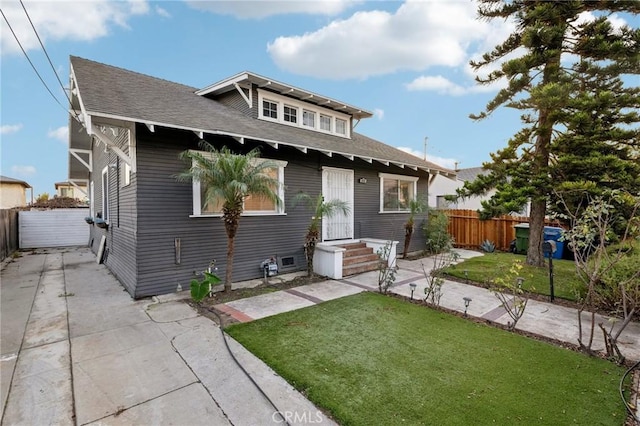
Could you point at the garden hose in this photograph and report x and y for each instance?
(624, 401)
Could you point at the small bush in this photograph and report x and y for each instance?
(623, 273)
(435, 232)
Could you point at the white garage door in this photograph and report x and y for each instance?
(53, 228)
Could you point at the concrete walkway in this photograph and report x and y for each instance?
(76, 349)
(542, 318)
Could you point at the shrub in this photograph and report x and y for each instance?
(435, 232)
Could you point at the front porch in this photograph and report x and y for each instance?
(341, 258)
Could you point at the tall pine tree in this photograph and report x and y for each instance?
(547, 35)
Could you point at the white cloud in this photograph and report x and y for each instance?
(379, 113)
(417, 36)
(444, 86)
(7, 129)
(23, 171)
(61, 134)
(162, 12)
(263, 9)
(448, 163)
(61, 20)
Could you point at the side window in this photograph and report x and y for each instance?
(105, 194)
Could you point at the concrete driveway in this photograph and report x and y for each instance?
(76, 349)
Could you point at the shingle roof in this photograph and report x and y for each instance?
(6, 179)
(470, 174)
(115, 92)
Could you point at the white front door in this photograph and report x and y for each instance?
(338, 184)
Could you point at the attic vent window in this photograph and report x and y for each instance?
(290, 114)
(325, 123)
(270, 109)
(341, 126)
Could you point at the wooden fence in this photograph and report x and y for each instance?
(469, 231)
(8, 232)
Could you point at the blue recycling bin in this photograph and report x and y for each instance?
(553, 233)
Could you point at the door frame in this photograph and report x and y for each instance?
(350, 201)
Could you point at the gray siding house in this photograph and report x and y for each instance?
(125, 143)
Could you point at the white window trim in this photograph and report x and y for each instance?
(92, 201)
(280, 100)
(330, 123)
(384, 176)
(126, 172)
(197, 200)
(294, 108)
(105, 194)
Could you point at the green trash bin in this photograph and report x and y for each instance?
(522, 237)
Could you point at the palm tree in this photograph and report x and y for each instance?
(228, 178)
(320, 209)
(415, 206)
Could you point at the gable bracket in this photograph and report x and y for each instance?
(85, 182)
(327, 153)
(302, 148)
(273, 144)
(350, 157)
(399, 165)
(151, 127)
(386, 163)
(76, 153)
(239, 139)
(110, 143)
(249, 99)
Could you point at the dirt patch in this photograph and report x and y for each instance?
(207, 306)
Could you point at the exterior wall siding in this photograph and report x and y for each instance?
(164, 207)
(120, 252)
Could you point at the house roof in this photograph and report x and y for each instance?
(470, 174)
(243, 78)
(59, 184)
(5, 179)
(115, 93)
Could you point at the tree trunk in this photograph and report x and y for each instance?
(535, 256)
(229, 271)
(408, 231)
(310, 249)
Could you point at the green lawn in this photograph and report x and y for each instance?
(370, 359)
(481, 269)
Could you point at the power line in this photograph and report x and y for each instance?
(49, 59)
(30, 62)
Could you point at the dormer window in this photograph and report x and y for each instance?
(309, 118)
(291, 114)
(270, 109)
(297, 113)
(325, 123)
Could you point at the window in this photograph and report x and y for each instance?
(309, 118)
(126, 175)
(290, 114)
(253, 205)
(297, 113)
(270, 109)
(325, 123)
(65, 192)
(105, 194)
(92, 205)
(396, 191)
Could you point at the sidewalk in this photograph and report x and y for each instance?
(76, 349)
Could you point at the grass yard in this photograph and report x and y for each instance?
(370, 359)
(536, 280)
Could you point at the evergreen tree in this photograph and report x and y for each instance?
(545, 90)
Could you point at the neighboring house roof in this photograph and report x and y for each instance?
(470, 174)
(5, 179)
(116, 93)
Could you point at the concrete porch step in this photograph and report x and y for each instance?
(353, 246)
(363, 258)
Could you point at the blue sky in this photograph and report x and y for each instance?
(405, 61)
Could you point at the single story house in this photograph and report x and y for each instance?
(71, 190)
(13, 192)
(126, 134)
(441, 186)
